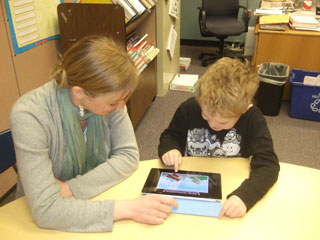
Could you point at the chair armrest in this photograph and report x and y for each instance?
(202, 21)
(245, 17)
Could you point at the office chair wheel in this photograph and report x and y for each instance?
(204, 63)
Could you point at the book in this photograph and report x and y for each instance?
(138, 6)
(132, 7)
(151, 2)
(152, 54)
(274, 19)
(274, 27)
(184, 63)
(197, 193)
(303, 22)
(146, 4)
(129, 13)
(185, 82)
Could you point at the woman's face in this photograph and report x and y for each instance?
(105, 103)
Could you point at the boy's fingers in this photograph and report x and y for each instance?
(223, 210)
(176, 166)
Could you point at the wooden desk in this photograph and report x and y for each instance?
(289, 211)
(298, 49)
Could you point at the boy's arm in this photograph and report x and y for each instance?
(174, 137)
(264, 162)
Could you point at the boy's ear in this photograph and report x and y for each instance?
(249, 106)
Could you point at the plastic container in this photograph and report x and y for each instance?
(305, 99)
(273, 77)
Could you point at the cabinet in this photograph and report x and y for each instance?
(79, 20)
(298, 49)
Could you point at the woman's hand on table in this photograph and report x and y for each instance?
(150, 209)
(172, 158)
(233, 207)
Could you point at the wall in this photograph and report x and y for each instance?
(190, 24)
(18, 75)
(167, 68)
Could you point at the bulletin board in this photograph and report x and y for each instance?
(32, 22)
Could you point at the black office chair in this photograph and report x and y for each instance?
(219, 18)
(7, 156)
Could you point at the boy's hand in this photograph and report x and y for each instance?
(233, 207)
(172, 158)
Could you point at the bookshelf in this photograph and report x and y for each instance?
(109, 19)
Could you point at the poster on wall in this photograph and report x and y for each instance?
(173, 8)
(32, 22)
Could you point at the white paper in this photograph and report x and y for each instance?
(172, 41)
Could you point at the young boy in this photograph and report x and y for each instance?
(222, 122)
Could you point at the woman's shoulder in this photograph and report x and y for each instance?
(43, 92)
(36, 100)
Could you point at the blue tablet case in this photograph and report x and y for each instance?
(198, 207)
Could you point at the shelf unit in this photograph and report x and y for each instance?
(79, 20)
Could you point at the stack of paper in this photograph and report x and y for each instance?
(185, 82)
(306, 22)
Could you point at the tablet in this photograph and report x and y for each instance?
(184, 184)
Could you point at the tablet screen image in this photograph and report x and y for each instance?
(184, 184)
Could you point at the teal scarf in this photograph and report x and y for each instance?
(80, 156)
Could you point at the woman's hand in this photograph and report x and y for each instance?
(172, 158)
(150, 209)
(233, 207)
(65, 189)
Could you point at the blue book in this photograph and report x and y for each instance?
(197, 193)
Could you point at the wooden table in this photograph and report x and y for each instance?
(290, 210)
(296, 48)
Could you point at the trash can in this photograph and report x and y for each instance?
(272, 77)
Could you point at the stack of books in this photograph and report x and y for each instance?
(185, 82)
(304, 22)
(274, 22)
(141, 51)
(184, 63)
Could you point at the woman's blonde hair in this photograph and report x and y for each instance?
(98, 65)
(228, 87)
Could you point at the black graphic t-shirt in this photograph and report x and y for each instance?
(250, 137)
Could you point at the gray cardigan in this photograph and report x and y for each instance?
(40, 146)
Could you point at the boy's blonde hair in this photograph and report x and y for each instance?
(227, 87)
(98, 65)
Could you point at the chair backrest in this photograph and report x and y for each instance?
(221, 7)
(7, 153)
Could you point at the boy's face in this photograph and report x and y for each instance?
(217, 122)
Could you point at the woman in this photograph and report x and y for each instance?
(73, 140)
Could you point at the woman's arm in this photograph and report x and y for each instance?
(122, 161)
(32, 136)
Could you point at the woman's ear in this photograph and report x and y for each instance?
(78, 92)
